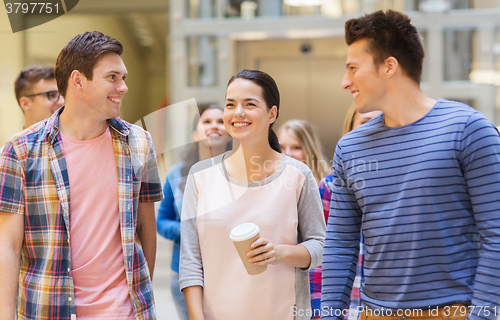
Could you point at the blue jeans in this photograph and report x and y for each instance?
(178, 296)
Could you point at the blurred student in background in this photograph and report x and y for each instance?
(211, 139)
(37, 93)
(299, 140)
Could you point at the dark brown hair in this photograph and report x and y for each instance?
(389, 34)
(270, 93)
(30, 76)
(82, 53)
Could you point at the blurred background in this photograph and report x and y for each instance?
(176, 50)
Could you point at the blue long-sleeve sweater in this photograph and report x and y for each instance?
(427, 196)
(168, 221)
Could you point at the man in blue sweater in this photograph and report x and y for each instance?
(423, 182)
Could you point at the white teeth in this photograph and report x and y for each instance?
(241, 124)
(355, 94)
(114, 99)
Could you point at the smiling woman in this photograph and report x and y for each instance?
(222, 193)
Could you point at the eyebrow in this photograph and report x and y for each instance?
(247, 99)
(116, 72)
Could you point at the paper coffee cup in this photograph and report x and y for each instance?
(243, 236)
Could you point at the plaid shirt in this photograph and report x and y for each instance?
(325, 190)
(34, 182)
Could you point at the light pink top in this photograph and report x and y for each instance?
(287, 208)
(97, 266)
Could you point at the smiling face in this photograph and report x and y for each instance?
(39, 107)
(291, 146)
(211, 125)
(104, 92)
(362, 78)
(246, 115)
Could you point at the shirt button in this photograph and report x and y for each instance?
(69, 270)
(70, 299)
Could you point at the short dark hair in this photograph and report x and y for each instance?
(30, 76)
(82, 53)
(389, 34)
(270, 93)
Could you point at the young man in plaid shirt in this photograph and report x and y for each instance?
(77, 223)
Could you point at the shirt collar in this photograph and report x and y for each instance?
(51, 129)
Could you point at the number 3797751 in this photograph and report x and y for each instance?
(32, 7)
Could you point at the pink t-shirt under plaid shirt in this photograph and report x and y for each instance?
(97, 262)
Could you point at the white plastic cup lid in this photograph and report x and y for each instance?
(244, 231)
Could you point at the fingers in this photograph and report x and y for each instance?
(263, 252)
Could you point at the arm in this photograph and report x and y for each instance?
(168, 225)
(340, 256)
(11, 238)
(194, 302)
(191, 266)
(311, 225)
(150, 192)
(12, 209)
(146, 231)
(480, 159)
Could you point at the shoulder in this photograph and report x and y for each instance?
(298, 165)
(206, 164)
(469, 119)
(139, 140)
(29, 138)
(137, 132)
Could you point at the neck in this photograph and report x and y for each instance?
(253, 162)
(28, 123)
(79, 125)
(405, 104)
(209, 150)
(204, 152)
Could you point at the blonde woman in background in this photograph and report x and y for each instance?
(299, 140)
(352, 121)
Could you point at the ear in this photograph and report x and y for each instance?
(25, 103)
(390, 67)
(273, 114)
(76, 80)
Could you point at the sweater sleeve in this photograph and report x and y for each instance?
(340, 255)
(480, 161)
(167, 222)
(311, 220)
(191, 266)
